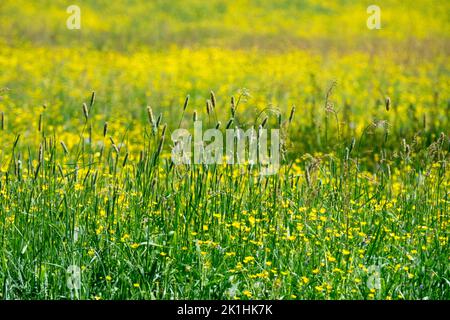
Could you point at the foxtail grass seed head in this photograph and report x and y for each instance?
(92, 99)
(163, 133)
(124, 163)
(158, 121)
(218, 125)
(208, 107)
(63, 145)
(40, 123)
(105, 129)
(388, 103)
(213, 99)
(41, 153)
(36, 173)
(229, 123)
(151, 118)
(194, 116)
(85, 111)
(2, 120)
(233, 107)
(291, 115)
(186, 102)
(264, 122)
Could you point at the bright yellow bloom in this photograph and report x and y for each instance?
(249, 259)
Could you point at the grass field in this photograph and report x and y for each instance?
(92, 207)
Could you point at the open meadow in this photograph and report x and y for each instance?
(92, 205)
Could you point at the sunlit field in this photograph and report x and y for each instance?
(93, 207)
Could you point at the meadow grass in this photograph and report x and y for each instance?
(140, 227)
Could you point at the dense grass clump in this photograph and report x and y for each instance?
(338, 225)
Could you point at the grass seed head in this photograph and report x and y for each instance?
(163, 133)
(388, 103)
(41, 153)
(92, 99)
(208, 107)
(158, 121)
(186, 102)
(233, 107)
(264, 122)
(291, 115)
(40, 123)
(105, 129)
(213, 99)
(85, 111)
(124, 163)
(151, 118)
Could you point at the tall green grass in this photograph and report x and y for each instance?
(138, 226)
